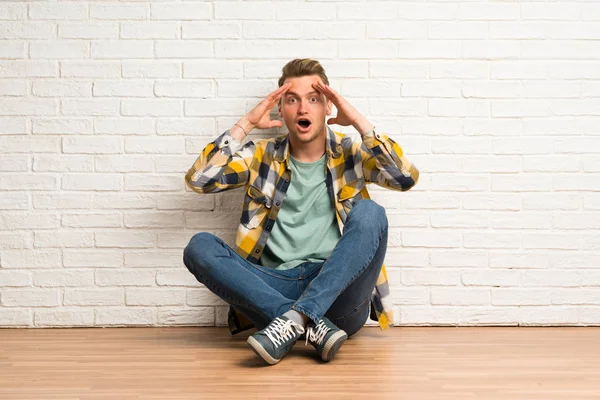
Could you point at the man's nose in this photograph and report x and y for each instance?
(302, 109)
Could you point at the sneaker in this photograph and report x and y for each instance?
(326, 338)
(276, 340)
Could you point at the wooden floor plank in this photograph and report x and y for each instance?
(407, 363)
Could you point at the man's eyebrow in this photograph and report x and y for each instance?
(296, 94)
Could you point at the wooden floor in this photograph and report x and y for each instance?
(401, 363)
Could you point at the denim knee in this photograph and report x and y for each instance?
(369, 214)
(197, 248)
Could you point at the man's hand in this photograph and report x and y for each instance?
(347, 115)
(259, 116)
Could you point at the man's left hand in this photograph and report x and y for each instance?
(347, 115)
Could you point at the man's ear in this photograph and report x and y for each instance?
(329, 107)
(279, 109)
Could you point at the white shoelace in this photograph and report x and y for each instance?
(317, 333)
(280, 331)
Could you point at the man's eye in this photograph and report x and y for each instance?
(291, 100)
(314, 99)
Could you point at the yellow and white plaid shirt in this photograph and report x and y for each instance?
(262, 167)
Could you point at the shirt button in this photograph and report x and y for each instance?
(278, 203)
(227, 142)
(268, 228)
(257, 251)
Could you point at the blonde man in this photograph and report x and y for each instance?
(310, 245)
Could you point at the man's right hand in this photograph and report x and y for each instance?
(259, 117)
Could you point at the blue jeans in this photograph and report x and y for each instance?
(339, 288)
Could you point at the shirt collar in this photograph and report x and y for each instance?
(333, 146)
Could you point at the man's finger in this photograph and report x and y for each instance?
(331, 121)
(279, 91)
(275, 124)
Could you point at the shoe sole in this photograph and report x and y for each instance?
(261, 352)
(333, 345)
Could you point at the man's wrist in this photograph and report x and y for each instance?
(363, 126)
(241, 129)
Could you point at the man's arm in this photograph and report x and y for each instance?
(383, 160)
(224, 163)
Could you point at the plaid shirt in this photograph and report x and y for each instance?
(262, 168)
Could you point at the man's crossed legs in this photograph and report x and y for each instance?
(334, 295)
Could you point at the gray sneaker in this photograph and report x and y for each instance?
(326, 338)
(276, 340)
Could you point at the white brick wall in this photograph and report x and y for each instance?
(104, 106)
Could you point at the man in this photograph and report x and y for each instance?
(311, 244)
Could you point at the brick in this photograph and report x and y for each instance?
(202, 297)
(15, 240)
(124, 126)
(575, 220)
(152, 107)
(100, 182)
(31, 297)
(207, 220)
(457, 30)
(13, 11)
(63, 239)
(575, 260)
(94, 297)
(123, 277)
(122, 88)
(576, 296)
(154, 297)
(210, 30)
(110, 201)
(520, 297)
(488, 277)
(203, 316)
(15, 317)
(92, 220)
(88, 30)
(13, 87)
(184, 49)
(556, 278)
(427, 277)
(153, 259)
(458, 259)
(590, 163)
(406, 258)
(558, 201)
(17, 163)
(90, 69)
(184, 88)
(521, 69)
(29, 220)
(403, 107)
(491, 240)
(488, 11)
(399, 69)
(63, 163)
(151, 69)
(523, 259)
(371, 12)
(215, 107)
(186, 126)
(190, 11)
(31, 259)
(521, 183)
(460, 183)
(13, 126)
(456, 107)
(478, 127)
(520, 220)
(553, 241)
(154, 145)
(120, 11)
(353, 49)
(591, 201)
(61, 126)
(28, 30)
(212, 69)
(14, 201)
(93, 145)
(179, 277)
(333, 30)
(272, 30)
(58, 11)
(407, 219)
(430, 89)
(257, 10)
(153, 183)
(124, 239)
(490, 49)
(27, 182)
(85, 107)
(460, 296)
(15, 278)
(28, 106)
(431, 238)
(120, 49)
(149, 30)
(429, 49)
(59, 50)
(58, 278)
(124, 317)
(587, 182)
(124, 163)
(96, 258)
(64, 318)
(154, 219)
(551, 164)
(57, 201)
(243, 49)
(174, 240)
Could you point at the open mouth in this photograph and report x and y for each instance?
(304, 124)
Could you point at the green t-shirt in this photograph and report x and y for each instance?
(306, 228)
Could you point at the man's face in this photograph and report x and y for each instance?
(304, 109)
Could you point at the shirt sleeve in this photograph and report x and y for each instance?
(223, 164)
(384, 163)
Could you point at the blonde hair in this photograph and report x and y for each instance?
(302, 67)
